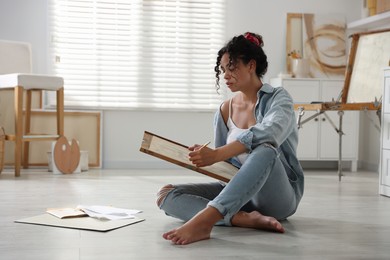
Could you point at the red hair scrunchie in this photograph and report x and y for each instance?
(252, 39)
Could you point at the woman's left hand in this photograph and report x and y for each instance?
(201, 156)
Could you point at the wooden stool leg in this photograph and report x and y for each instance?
(27, 129)
(60, 112)
(18, 128)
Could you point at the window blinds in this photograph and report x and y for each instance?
(137, 53)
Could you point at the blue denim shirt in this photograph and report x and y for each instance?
(275, 125)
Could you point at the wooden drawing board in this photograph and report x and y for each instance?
(369, 54)
(177, 153)
(84, 223)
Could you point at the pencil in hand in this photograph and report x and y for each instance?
(203, 146)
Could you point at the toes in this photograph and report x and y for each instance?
(274, 224)
(178, 240)
(280, 228)
(184, 242)
(168, 235)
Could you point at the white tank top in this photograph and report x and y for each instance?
(233, 132)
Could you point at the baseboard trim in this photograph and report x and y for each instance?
(139, 165)
(166, 165)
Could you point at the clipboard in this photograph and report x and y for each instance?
(177, 153)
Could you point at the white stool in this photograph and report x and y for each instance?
(15, 65)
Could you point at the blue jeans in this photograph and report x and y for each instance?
(262, 184)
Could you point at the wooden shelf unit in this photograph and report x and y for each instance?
(379, 21)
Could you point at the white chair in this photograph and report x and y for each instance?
(16, 74)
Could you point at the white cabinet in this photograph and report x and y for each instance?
(318, 140)
(384, 170)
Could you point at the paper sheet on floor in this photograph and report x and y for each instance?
(66, 212)
(107, 212)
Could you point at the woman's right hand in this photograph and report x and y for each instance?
(201, 156)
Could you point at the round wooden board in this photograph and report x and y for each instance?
(66, 157)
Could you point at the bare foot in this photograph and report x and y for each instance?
(188, 233)
(256, 220)
(196, 229)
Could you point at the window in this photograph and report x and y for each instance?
(155, 54)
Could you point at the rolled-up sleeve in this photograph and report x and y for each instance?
(220, 129)
(275, 120)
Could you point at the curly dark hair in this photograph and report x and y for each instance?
(244, 47)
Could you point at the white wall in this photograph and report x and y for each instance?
(268, 18)
(123, 131)
(25, 20)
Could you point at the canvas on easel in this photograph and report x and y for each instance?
(369, 54)
(362, 91)
(177, 153)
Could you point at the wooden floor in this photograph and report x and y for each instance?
(336, 220)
